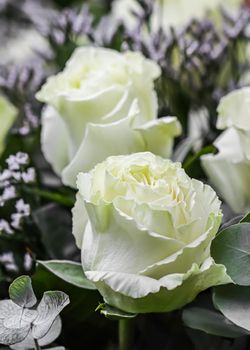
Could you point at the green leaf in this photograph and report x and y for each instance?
(211, 322)
(82, 301)
(191, 160)
(54, 231)
(69, 271)
(21, 292)
(245, 218)
(234, 302)
(114, 313)
(232, 248)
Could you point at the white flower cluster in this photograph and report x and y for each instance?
(18, 171)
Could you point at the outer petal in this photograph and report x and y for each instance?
(114, 242)
(159, 135)
(181, 261)
(80, 219)
(55, 140)
(229, 172)
(100, 142)
(234, 110)
(8, 115)
(141, 294)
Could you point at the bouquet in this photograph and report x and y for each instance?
(124, 174)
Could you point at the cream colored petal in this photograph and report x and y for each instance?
(55, 140)
(79, 220)
(229, 172)
(234, 110)
(100, 142)
(113, 242)
(159, 135)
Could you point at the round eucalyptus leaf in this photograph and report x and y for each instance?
(234, 302)
(232, 248)
(211, 322)
(21, 292)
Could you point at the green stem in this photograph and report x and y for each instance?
(126, 334)
(37, 346)
(53, 196)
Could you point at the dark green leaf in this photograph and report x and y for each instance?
(54, 231)
(69, 271)
(245, 218)
(234, 302)
(232, 249)
(191, 160)
(211, 322)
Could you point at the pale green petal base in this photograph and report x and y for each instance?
(165, 300)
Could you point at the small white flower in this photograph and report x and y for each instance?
(29, 176)
(5, 227)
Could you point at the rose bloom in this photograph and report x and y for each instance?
(167, 13)
(103, 103)
(229, 169)
(8, 114)
(145, 230)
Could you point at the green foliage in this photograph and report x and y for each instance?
(24, 323)
(234, 302)
(211, 322)
(69, 271)
(113, 313)
(231, 248)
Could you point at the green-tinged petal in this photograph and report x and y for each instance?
(234, 110)
(181, 261)
(79, 221)
(55, 140)
(141, 294)
(158, 221)
(8, 114)
(205, 212)
(78, 111)
(115, 237)
(229, 172)
(102, 141)
(159, 135)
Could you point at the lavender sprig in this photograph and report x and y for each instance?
(19, 84)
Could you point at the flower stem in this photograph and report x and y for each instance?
(37, 345)
(126, 334)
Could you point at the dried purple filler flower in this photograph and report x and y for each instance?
(19, 84)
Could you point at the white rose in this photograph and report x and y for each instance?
(229, 169)
(8, 114)
(145, 230)
(169, 13)
(102, 104)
